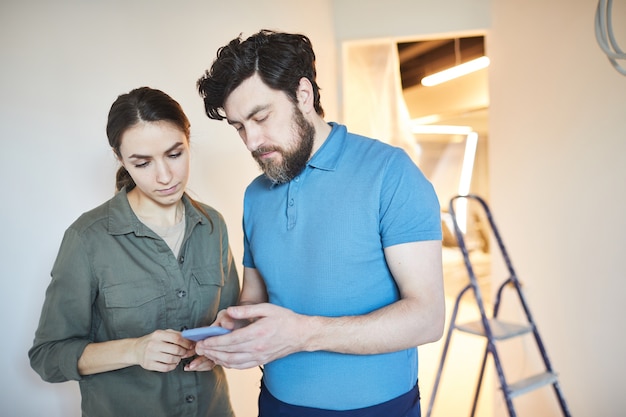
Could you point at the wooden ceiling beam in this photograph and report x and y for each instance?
(419, 48)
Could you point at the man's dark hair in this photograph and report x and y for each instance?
(280, 60)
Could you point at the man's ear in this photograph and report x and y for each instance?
(304, 94)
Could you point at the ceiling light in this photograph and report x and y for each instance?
(456, 71)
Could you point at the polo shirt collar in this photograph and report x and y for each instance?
(328, 155)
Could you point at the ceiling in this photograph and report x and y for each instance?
(422, 58)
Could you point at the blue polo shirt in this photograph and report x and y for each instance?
(318, 242)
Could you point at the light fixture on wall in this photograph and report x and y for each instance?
(469, 156)
(465, 181)
(458, 70)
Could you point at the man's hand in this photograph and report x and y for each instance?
(274, 332)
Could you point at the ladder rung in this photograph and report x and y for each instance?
(531, 383)
(501, 330)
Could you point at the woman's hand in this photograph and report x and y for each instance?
(200, 364)
(162, 350)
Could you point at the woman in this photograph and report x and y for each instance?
(134, 272)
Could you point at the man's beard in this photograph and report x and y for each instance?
(295, 158)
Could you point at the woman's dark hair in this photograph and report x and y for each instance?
(143, 104)
(280, 59)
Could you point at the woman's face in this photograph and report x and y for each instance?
(156, 155)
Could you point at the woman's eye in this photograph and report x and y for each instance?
(141, 165)
(175, 155)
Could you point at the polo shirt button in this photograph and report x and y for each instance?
(291, 202)
(181, 293)
(296, 179)
(190, 398)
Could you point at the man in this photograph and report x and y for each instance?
(342, 254)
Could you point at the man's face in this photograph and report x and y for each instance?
(272, 127)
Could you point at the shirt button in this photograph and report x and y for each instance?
(181, 259)
(181, 293)
(190, 398)
(291, 202)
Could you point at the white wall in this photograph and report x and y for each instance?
(358, 19)
(63, 64)
(557, 153)
(558, 169)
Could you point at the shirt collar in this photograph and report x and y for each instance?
(328, 155)
(122, 219)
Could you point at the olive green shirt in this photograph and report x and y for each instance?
(114, 278)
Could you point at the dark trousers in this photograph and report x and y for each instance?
(406, 405)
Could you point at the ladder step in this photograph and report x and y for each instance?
(531, 383)
(501, 330)
(490, 327)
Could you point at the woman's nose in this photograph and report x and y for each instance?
(164, 173)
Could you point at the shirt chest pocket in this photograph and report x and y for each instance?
(133, 309)
(207, 285)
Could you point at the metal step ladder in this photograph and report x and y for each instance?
(492, 328)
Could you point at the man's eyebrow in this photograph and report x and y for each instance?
(256, 109)
(168, 150)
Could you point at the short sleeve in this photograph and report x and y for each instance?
(409, 207)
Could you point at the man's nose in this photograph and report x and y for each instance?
(253, 138)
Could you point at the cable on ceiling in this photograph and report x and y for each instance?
(605, 36)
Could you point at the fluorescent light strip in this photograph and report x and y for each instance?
(455, 72)
(468, 163)
(466, 178)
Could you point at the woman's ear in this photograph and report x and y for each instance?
(304, 94)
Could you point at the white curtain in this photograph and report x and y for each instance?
(373, 104)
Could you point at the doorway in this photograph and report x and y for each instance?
(449, 122)
(383, 98)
